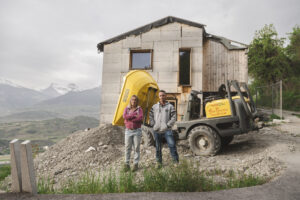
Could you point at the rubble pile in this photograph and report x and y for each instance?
(102, 148)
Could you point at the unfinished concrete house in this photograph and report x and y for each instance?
(179, 54)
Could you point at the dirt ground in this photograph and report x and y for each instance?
(102, 148)
(259, 153)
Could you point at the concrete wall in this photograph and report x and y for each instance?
(165, 42)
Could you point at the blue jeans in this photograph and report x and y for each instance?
(132, 139)
(171, 143)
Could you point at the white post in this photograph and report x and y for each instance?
(15, 163)
(28, 175)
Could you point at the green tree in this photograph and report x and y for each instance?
(293, 50)
(268, 62)
(291, 88)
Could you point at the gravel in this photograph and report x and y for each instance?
(100, 149)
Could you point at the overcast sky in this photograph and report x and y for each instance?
(45, 41)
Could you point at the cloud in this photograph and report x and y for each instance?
(55, 41)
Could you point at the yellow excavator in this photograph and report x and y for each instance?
(224, 115)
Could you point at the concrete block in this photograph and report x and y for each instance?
(166, 46)
(111, 97)
(15, 163)
(28, 174)
(125, 62)
(115, 47)
(197, 60)
(110, 87)
(163, 56)
(196, 81)
(110, 77)
(147, 45)
(170, 35)
(175, 61)
(132, 42)
(150, 36)
(168, 78)
(162, 66)
(191, 43)
(112, 67)
(106, 118)
(168, 87)
(176, 45)
(171, 27)
(108, 108)
(190, 31)
(112, 58)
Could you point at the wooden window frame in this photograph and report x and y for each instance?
(190, 50)
(141, 51)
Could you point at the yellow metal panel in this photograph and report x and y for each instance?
(141, 84)
(218, 108)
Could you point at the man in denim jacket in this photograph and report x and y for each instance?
(162, 118)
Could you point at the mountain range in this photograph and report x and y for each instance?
(19, 103)
(55, 90)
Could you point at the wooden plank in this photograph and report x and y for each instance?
(224, 65)
(204, 68)
(214, 66)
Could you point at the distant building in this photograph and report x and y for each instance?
(179, 54)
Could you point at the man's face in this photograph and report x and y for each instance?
(162, 97)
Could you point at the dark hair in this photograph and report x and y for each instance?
(162, 91)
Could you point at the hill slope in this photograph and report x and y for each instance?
(45, 132)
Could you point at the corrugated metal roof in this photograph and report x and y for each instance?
(162, 22)
(227, 42)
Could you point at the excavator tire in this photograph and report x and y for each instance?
(204, 141)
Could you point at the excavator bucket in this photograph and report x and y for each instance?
(141, 84)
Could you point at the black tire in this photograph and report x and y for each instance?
(147, 138)
(204, 141)
(226, 140)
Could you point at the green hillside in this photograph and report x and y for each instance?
(44, 132)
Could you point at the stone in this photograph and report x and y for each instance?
(100, 143)
(15, 162)
(28, 174)
(90, 149)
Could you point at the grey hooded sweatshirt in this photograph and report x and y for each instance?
(161, 117)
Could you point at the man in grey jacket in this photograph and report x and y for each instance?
(162, 118)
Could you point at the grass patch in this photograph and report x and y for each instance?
(4, 157)
(4, 171)
(297, 115)
(45, 186)
(273, 116)
(183, 178)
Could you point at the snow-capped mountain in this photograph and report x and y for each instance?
(54, 101)
(13, 96)
(55, 90)
(8, 82)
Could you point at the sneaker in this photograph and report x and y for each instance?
(126, 168)
(135, 167)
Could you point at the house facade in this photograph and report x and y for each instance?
(180, 56)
